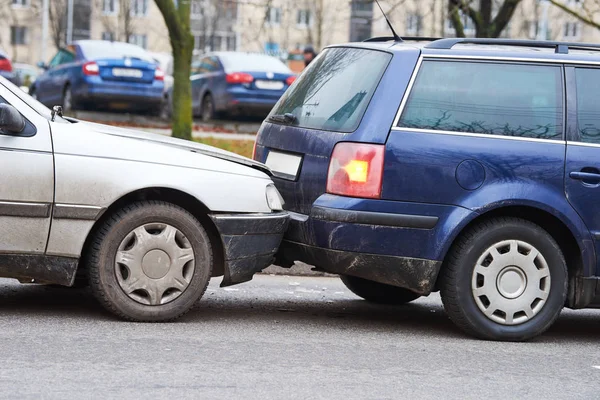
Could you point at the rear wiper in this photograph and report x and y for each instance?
(286, 118)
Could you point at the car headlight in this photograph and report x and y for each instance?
(274, 199)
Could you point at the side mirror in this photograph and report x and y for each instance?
(11, 121)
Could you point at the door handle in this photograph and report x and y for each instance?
(586, 177)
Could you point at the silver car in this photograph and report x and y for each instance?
(147, 220)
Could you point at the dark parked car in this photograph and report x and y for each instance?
(468, 166)
(101, 74)
(6, 68)
(238, 83)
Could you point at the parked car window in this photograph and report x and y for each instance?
(62, 57)
(588, 109)
(206, 65)
(489, 98)
(334, 92)
(103, 49)
(235, 62)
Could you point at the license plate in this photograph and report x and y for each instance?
(269, 85)
(284, 165)
(127, 73)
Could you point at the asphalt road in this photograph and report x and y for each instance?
(281, 337)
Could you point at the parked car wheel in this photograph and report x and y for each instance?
(207, 111)
(151, 261)
(378, 292)
(67, 100)
(505, 279)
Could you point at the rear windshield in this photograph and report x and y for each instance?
(101, 49)
(334, 92)
(236, 62)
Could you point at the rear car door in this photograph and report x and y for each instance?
(582, 177)
(203, 78)
(26, 182)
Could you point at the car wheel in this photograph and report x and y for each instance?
(505, 279)
(150, 261)
(207, 111)
(378, 292)
(67, 100)
(164, 110)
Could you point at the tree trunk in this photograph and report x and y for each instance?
(182, 117)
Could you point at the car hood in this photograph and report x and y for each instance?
(178, 143)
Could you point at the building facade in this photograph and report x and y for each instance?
(272, 26)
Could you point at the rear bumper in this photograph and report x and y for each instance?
(250, 242)
(134, 94)
(396, 243)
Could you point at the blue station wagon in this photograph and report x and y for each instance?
(466, 166)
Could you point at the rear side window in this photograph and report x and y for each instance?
(487, 98)
(334, 92)
(588, 108)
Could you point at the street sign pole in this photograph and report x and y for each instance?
(70, 22)
(45, 17)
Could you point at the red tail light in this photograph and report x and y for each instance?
(290, 80)
(356, 170)
(5, 65)
(159, 74)
(91, 68)
(239, 77)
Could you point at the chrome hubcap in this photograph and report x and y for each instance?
(511, 282)
(154, 264)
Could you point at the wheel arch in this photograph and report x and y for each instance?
(579, 254)
(174, 196)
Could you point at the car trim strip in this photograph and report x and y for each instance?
(374, 218)
(411, 82)
(479, 135)
(77, 211)
(582, 144)
(514, 59)
(24, 209)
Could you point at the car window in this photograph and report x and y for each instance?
(588, 108)
(206, 65)
(333, 93)
(488, 98)
(236, 62)
(62, 57)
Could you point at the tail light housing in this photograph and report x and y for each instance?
(91, 68)
(290, 80)
(5, 65)
(356, 170)
(159, 74)
(239, 77)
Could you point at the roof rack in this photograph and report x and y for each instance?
(559, 47)
(380, 39)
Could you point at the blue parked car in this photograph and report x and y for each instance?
(468, 166)
(232, 83)
(96, 73)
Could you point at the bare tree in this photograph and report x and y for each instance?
(121, 24)
(481, 14)
(587, 12)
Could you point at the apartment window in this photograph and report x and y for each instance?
(304, 18)
(274, 16)
(414, 24)
(140, 40)
(18, 35)
(571, 30)
(110, 7)
(196, 10)
(20, 3)
(139, 8)
(110, 36)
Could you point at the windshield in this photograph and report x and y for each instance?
(335, 90)
(236, 62)
(100, 49)
(31, 102)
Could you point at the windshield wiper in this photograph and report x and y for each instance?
(286, 118)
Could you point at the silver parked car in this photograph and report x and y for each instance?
(146, 219)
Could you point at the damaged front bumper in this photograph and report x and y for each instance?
(250, 242)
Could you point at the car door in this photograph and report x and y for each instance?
(43, 83)
(582, 174)
(59, 75)
(203, 74)
(26, 182)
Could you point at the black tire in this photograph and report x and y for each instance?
(207, 108)
(458, 277)
(68, 103)
(378, 292)
(102, 263)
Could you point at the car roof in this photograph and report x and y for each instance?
(549, 51)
